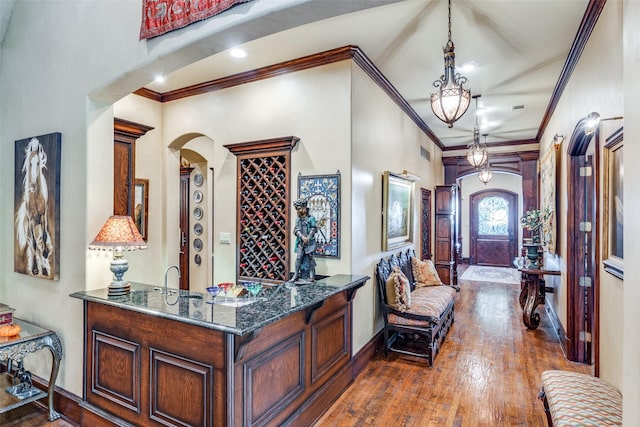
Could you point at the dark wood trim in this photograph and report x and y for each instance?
(64, 402)
(129, 130)
(310, 61)
(286, 143)
(589, 20)
(456, 167)
(491, 145)
(150, 94)
(125, 134)
(557, 327)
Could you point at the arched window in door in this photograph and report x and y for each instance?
(493, 216)
(492, 233)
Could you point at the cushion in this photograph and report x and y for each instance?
(577, 399)
(424, 273)
(429, 301)
(398, 290)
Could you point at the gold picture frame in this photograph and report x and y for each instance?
(613, 225)
(141, 207)
(397, 211)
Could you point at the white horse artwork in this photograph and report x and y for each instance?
(32, 227)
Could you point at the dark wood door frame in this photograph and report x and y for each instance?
(185, 180)
(425, 224)
(513, 223)
(583, 250)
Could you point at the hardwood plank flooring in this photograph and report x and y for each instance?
(486, 374)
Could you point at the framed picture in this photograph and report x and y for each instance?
(37, 206)
(141, 207)
(397, 211)
(549, 196)
(613, 226)
(323, 195)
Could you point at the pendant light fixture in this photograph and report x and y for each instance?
(451, 100)
(477, 152)
(486, 174)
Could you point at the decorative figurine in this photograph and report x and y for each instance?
(305, 231)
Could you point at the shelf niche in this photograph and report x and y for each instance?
(262, 208)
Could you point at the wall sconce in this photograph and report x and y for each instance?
(558, 139)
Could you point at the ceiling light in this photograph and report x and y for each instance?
(451, 100)
(486, 174)
(476, 152)
(468, 66)
(238, 53)
(159, 79)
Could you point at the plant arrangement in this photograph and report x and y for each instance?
(538, 222)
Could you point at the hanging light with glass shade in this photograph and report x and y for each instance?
(485, 173)
(476, 152)
(451, 100)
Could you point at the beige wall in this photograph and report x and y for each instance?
(63, 66)
(383, 139)
(631, 290)
(338, 100)
(589, 91)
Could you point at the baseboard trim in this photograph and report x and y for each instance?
(367, 353)
(558, 329)
(65, 403)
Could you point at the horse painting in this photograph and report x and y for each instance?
(34, 243)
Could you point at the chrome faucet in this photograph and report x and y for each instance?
(166, 273)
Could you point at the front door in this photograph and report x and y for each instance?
(494, 218)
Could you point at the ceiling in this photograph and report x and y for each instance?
(519, 46)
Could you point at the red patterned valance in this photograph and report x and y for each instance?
(161, 16)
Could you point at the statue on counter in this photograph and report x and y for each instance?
(305, 231)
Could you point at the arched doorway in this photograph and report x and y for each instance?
(582, 241)
(493, 227)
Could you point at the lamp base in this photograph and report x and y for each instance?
(119, 289)
(119, 266)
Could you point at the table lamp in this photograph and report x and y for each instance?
(118, 234)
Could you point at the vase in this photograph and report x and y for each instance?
(532, 253)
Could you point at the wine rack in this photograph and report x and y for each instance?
(263, 213)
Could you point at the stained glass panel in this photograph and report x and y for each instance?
(493, 216)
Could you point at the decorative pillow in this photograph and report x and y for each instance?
(398, 290)
(424, 273)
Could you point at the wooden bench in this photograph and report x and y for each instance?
(574, 399)
(420, 329)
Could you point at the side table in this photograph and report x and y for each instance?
(532, 293)
(13, 349)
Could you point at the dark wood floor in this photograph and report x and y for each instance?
(487, 374)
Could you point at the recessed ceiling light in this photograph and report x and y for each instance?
(159, 79)
(238, 53)
(468, 66)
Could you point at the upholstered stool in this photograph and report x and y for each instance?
(573, 399)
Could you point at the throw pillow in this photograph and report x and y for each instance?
(424, 273)
(398, 290)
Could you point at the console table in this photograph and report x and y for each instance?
(13, 349)
(532, 293)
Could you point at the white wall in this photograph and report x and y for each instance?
(631, 290)
(63, 65)
(589, 91)
(384, 139)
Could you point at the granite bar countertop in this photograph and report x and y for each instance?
(227, 314)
